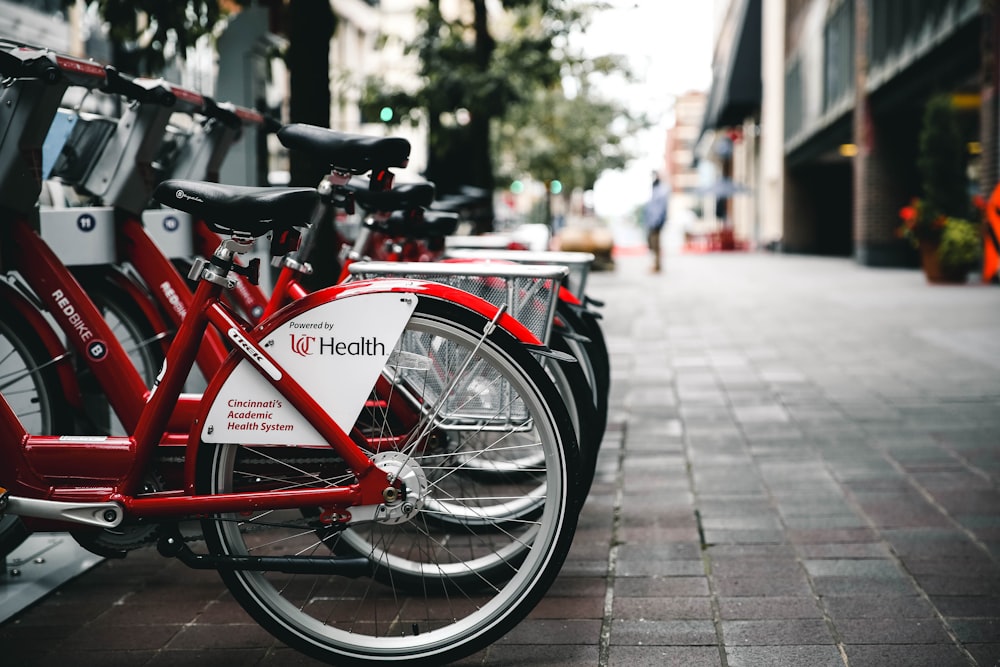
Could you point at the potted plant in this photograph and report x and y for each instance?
(940, 224)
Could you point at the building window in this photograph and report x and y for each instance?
(838, 45)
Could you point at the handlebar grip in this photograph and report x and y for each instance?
(121, 84)
(40, 68)
(225, 116)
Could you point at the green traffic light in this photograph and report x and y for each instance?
(555, 187)
(385, 114)
(517, 187)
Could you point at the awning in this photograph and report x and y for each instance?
(736, 87)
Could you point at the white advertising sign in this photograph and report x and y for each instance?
(335, 351)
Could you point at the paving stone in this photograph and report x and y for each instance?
(662, 609)
(661, 586)
(663, 656)
(763, 608)
(926, 655)
(509, 655)
(215, 657)
(878, 606)
(985, 654)
(553, 631)
(976, 630)
(784, 656)
(891, 630)
(667, 633)
(787, 631)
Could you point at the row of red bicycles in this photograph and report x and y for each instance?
(383, 454)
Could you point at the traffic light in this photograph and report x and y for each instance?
(555, 187)
(385, 114)
(517, 187)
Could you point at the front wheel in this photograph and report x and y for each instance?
(30, 386)
(494, 466)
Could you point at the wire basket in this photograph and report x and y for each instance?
(529, 292)
(476, 398)
(578, 263)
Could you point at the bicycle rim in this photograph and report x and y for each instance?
(30, 386)
(437, 590)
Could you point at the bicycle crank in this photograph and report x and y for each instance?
(101, 515)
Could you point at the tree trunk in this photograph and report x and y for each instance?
(310, 28)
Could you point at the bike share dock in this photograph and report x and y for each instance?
(801, 468)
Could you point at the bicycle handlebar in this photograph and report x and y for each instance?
(222, 114)
(28, 62)
(122, 84)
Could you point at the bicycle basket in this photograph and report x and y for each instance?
(578, 263)
(83, 148)
(530, 292)
(479, 398)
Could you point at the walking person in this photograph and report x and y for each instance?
(654, 218)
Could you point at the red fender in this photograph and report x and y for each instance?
(48, 337)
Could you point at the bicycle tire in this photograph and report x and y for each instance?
(30, 385)
(439, 612)
(591, 353)
(133, 330)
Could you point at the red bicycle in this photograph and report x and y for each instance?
(352, 538)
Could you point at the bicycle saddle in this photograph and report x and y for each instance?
(234, 208)
(417, 224)
(356, 153)
(402, 196)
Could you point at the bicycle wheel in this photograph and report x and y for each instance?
(434, 590)
(30, 386)
(573, 386)
(591, 353)
(132, 329)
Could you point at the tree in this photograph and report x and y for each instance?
(471, 80)
(144, 32)
(570, 139)
(310, 27)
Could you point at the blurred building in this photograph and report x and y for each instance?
(682, 173)
(834, 91)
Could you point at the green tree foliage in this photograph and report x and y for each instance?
(504, 66)
(143, 31)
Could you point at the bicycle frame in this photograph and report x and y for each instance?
(92, 480)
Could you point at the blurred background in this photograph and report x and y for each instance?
(787, 125)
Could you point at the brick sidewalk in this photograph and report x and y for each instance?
(801, 469)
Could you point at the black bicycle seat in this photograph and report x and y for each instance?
(234, 208)
(354, 153)
(402, 196)
(418, 224)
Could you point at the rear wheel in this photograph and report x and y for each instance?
(30, 385)
(142, 343)
(491, 464)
